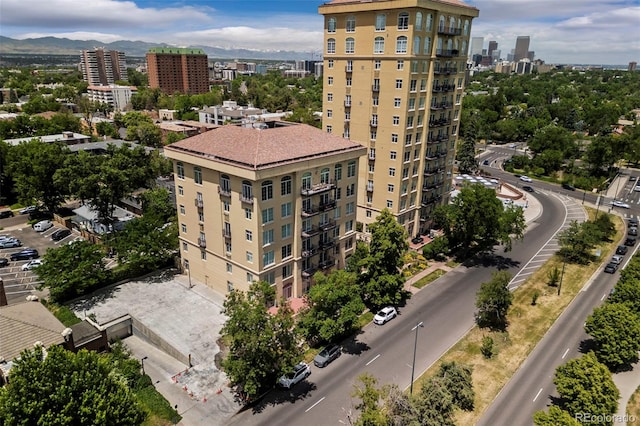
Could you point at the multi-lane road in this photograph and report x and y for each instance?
(445, 307)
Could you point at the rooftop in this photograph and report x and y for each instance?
(176, 51)
(449, 2)
(258, 148)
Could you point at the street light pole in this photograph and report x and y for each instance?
(143, 364)
(415, 345)
(564, 262)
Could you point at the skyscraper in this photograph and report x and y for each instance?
(393, 81)
(476, 46)
(493, 46)
(103, 67)
(178, 70)
(522, 48)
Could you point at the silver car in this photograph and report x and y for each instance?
(10, 243)
(300, 372)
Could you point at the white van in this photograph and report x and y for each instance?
(42, 226)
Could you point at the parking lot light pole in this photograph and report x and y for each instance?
(415, 345)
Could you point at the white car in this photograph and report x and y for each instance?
(31, 264)
(300, 372)
(42, 226)
(384, 315)
(636, 188)
(620, 204)
(526, 179)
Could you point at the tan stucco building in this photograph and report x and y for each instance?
(272, 201)
(394, 72)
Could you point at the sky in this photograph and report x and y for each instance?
(561, 31)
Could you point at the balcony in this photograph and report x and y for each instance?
(318, 188)
(374, 123)
(225, 192)
(438, 138)
(311, 251)
(445, 70)
(326, 244)
(447, 53)
(246, 198)
(327, 263)
(327, 225)
(329, 205)
(434, 107)
(202, 242)
(310, 232)
(309, 211)
(431, 200)
(199, 203)
(446, 105)
(448, 88)
(449, 31)
(369, 187)
(375, 88)
(439, 123)
(307, 273)
(431, 156)
(226, 233)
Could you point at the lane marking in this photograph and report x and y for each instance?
(537, 395)
(376, 357)
(604, 296)
(565, 353)
(321, 399)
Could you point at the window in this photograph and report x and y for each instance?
(381, 22)
(373, 135)
(267, 190)
(396, 120)
(377, 64)
(249, 277)
(182, 211)
(267, 237)
(247, 190)
(350, 26)
(286, 231)
(413, 85)
(394, 138)
(331, 45)
(248, 213)
(329, 129)
(324, 175)
(418, 137)
(397, 102)
(267, 215)
(428, 25)
(378, 45)
(401, 44)
(185, 247)
(423, 85)
(285, 186)
(392, 171)
(285, 210)
(458, 99)
(412, 104)
(389, 204)
(422, 102)
(465, 29)
(351, 169)
(184, 228)
(337, 212)
(350, 208)
(268, 258)
(306, 181)
(227, 246)
(229, 268)
(249, 257)
(405, 173)
(329, 81)
(349, 45)
(180, 190)
(225, 184)
(415, 49)
(286, 251)
(390, 187)
(351, 189)
(349, 81)
(407, 156)
(400, 65)
(410, 121)
(399, 84)
(337, 172)
(375, 101)
(329, 97)
(393, 155)
(418, 24)
(331, 25)
(348, 226)
(180, 170)
(426, 48)
(330, 63)
(229, 286)
(329, 113)
(249, 235)
(287, 271)
(407, 139)
(403, 21)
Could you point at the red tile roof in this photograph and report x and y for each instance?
(255, 148)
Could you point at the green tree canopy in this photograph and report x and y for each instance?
(577, 242)
(493, 301)
(66, 388)
(615, 329)
(555, 417)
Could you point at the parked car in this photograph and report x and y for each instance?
(60, 234)
(526, 179)
(617, 259)
(617, 203)
(300, 372)
(633, 222)
(622, 250)
(40, 215)
(326, 355)
(42, 226)
(630, 242)
(31, 264)
(633, 231)
(6, 213)
(384, 315)
(25, 254)
(27, 210)
(3, 262)
(528, 188)
(417, 239)
(611, 268)
(10, 243)
(569, 187)
(485, 163)
(636, 188)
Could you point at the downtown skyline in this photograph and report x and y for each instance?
(573, 31)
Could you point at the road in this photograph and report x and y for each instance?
(446, 308)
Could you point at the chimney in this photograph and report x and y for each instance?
(3, 295)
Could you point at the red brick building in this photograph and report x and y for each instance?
(178, 70)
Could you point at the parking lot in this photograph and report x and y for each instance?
(18, 283)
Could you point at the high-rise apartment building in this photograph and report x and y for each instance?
(103, 67)
(178, 70)
(522, 48)
(274, 202)
(632, 66)
(393, 81)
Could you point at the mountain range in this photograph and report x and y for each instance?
(65, 46)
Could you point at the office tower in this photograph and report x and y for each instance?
(632, 66)
(102, 67)
(522, 48)
(270, 202)
(393, 81)
(493, 46)
(476, 46)
(178, 70)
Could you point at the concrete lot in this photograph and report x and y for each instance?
(188, 319)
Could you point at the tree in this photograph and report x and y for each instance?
(586, 386)
(157, 203)
(576, 243)
(263, 346)
(56, 386)
(32, 166)
(466, 156)
(333, 307)
(493, 301)
(476, 221)
(615, 329)
(371, 414)
(147, 134)
(555, 417)
(627, 288)
(459, 382)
